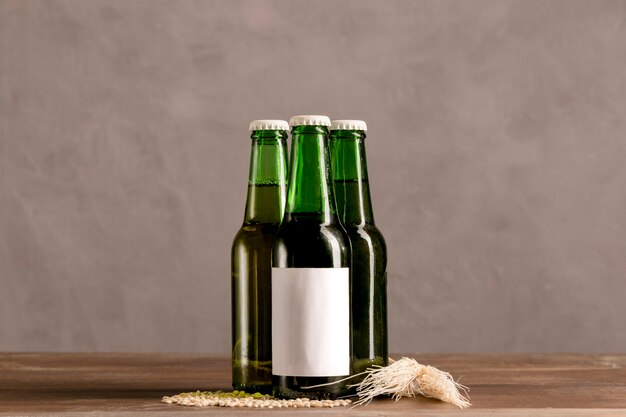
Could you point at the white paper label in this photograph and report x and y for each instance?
(310, 321)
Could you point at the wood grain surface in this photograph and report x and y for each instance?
(133, 383)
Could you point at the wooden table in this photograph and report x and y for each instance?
(100, 384)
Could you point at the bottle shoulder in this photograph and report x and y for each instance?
(311, 245)
(366, 239)
(369, 249)
(308, 230)
(255, 233)
(365, 231)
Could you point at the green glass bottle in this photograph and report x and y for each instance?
(369, 252)
(251, 257)
(310, 274)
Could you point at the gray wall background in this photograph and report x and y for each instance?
(497, 156)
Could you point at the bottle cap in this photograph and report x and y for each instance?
(309, 120)
(268, 124)
(348, 125)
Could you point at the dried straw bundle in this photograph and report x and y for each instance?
(408, 378)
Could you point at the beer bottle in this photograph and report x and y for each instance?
(369, 252)
(310, 274)
(252, 257)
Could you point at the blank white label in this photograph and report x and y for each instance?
(310, 321)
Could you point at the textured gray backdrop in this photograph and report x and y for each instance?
(497, 155)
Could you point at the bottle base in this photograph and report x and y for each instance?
(292, 387)
(264, 389)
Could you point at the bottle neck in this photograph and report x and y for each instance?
(350, 179)
(310, 195)
(267, 183)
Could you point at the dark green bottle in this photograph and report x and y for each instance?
(252, 257)
(310, 274)
(369, 252)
